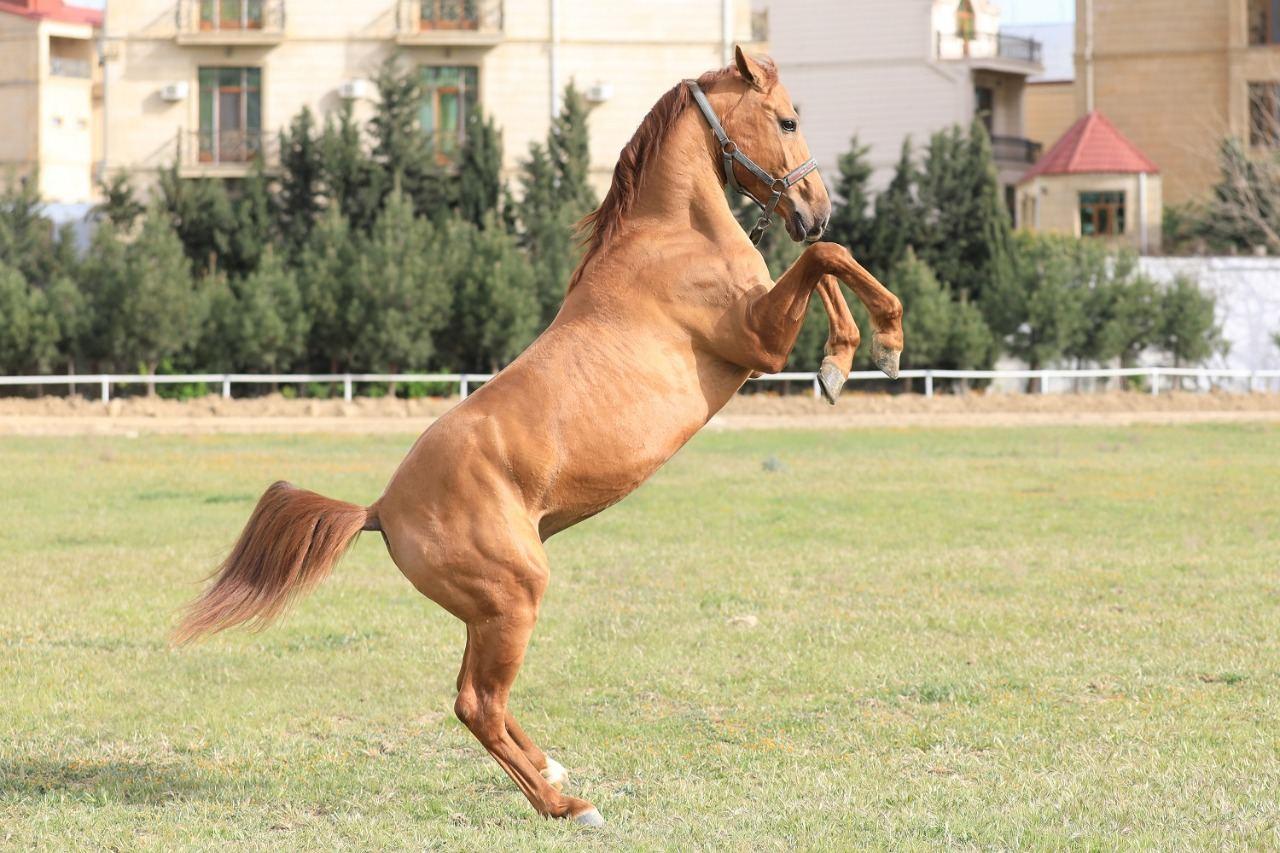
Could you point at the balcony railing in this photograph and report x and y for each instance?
(66, 66)
(227, 152)
(990, 46)
(230, 22)
(1015, 149)
(449, 22)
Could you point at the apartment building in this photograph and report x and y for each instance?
(886, 69)
(50, 96)
(209, 83)
(1178, 79)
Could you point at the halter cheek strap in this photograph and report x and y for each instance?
(730, 153)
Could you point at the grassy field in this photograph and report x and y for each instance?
(1038, 638)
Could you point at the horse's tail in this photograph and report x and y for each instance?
(289, 545)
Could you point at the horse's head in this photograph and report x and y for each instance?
(760, 118)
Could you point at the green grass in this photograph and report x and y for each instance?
(1038, 638)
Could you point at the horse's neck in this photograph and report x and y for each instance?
(683, 190)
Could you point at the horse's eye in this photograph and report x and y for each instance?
(788, 125)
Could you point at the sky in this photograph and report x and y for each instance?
(1037, 11)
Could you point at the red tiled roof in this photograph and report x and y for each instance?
(52, 10)
(1092, 146)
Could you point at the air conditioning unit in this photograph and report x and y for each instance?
(599, 93)
(175, 92)
(353, 90)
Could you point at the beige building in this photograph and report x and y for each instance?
(886, 69)
(1094, 183)
(1179, 78)
(49, 96)
(210, 82)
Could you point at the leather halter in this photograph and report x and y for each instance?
(730, 153)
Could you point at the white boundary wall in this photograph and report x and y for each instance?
(1248, 294)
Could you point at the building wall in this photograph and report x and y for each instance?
(49, 117)
(19, 94)
(639, 48)
(870, 68)
(1050, 110)
(1176, 84)
(1051, 204)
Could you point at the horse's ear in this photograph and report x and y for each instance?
(750, 70)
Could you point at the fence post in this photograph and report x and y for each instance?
(226, 387)
(817, 391)
(346, 387)
(1253, 382)
(928, 383)
(464, 387)
(1155, 382)
(106, 390)
(1044, 382)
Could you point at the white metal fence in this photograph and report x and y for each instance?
(1048, 381)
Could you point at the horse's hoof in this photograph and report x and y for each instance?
(886, 359)
(554, 773)
(590, 817)
(831, 380)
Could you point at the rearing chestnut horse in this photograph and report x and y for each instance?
(669, 313)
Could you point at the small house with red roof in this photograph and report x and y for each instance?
(1094, 183)
(50, 98)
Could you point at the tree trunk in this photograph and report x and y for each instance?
(151, 385)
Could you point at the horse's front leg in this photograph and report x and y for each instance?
(883, 306)
(842, 339)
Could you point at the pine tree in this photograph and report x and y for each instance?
(326, 281)
(263, 327)
(103, 279)
(494, 312)
(28, 330)
(301, 181)
(159, 314)
(26, 235)
(352, 181)
(120, 205)
(556, 196)
(852, 224)
(898, 221)
(254, 224)
(400, 147)
(1040, 310)
(202, 217)
(480, 185)
(1187, 330)
(405, 298)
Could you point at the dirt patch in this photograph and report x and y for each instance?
(277, 414)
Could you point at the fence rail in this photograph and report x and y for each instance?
(1251, 381)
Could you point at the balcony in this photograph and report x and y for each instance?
(230, 22)
(449, 23)
(225, 154)
(1015, 149)
(992, 52)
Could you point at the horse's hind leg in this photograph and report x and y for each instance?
(495, 651)
(550, 769)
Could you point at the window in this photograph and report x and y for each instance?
(1101, 214)
(449, 15)
(1264, 114)
(230, 115)
(231, 14)
(448, 99)
(1264, 22)
(984, 106)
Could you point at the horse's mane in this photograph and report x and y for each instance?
(599, 227)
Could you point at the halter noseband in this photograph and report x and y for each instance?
(729, 152)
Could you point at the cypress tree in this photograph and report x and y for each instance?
(327, 285)
(351, 180)
(898, 221)
(301, 180)
(480, 186)
(28, 330)
(120, 205)
(852, 223)
(263, 326)
(201, 216)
